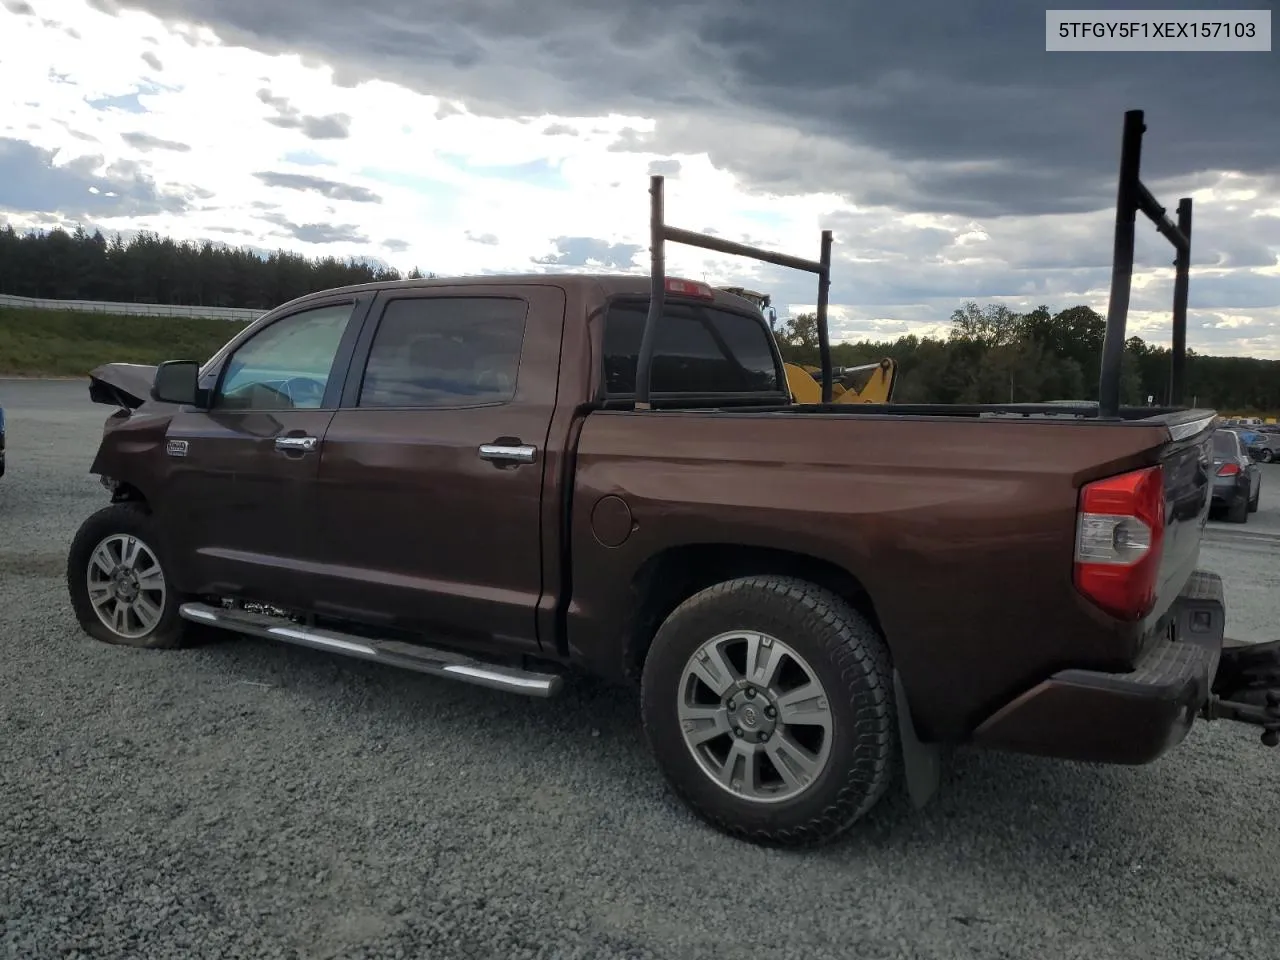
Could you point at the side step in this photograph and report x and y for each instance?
(408, 656)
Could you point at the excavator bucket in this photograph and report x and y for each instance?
(877, 388)
(805, 384)
(804, 389)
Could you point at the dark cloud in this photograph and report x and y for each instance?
(29, 181)
(152, 60)
(665, 168)
(20, 7)
(396, 246)
(957, 97)
(488, 239)
(329, 233)
(145, 141)
(331, 126)
(590, 251)
(329, 188)
(318, 232)
(560, 130)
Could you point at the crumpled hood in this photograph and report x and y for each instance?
(125, 385)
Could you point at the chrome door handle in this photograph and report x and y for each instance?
(298, 444)
(517, 453)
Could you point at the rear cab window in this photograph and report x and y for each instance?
(701, 350)
(1224, 444)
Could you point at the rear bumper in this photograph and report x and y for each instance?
(1129, 718)
(1229, 490)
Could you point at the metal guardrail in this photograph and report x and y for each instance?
(132, 309)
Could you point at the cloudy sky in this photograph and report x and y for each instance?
(951, 155)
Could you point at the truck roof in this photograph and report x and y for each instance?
(600, 285)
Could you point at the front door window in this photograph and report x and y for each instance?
(287, 365)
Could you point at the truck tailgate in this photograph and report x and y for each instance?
(1186, 462)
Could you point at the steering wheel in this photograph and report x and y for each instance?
(305, 391)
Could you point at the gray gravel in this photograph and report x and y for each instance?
(249, 800)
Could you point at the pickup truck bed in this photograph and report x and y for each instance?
(959, 532)
(810, 598)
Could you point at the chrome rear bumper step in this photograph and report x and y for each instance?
(407, 656)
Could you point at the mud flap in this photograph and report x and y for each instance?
(922, 762)
(1247, 688)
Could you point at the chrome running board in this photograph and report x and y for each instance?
(407, 656)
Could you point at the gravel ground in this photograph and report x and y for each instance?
(250, 800)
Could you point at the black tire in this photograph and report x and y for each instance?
(130, 520)
(1266, 456)
(1238, 512)
(846, 655)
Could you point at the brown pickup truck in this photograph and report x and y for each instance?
(499, 479)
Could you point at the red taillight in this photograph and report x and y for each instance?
(1228, 469)
(1119, 537)
(677, 287)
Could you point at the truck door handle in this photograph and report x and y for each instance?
(508, 450)
(296, 444)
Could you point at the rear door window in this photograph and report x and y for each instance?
(699, 350)
(445, 352)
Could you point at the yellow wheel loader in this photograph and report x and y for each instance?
(806, 381)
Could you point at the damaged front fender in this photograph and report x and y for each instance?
(126, 385)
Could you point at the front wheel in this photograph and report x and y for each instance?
(768, 704)
(117, 581)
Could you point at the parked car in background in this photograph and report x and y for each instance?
(1265, 445)
(1237, 481)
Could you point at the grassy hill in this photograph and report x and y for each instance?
(68, 343)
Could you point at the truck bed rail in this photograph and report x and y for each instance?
(660, 232)
(1132, 196)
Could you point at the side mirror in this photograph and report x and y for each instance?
(176, 381)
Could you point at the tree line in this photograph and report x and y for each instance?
(993, 355)
(996, 355)
(152, 269)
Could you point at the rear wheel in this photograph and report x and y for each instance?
(768, 704)
(117, 581)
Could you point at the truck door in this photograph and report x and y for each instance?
(238, 491)
(433, 471)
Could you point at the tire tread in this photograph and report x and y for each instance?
(128, 516)
(866, 674)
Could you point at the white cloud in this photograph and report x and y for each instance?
(461, 193)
